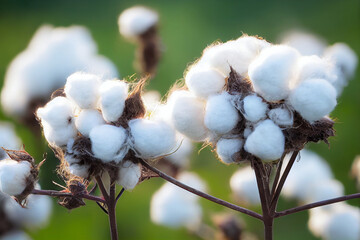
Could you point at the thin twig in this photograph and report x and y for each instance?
(102, 208)
(102, 188)
(261, 186)
(54, 193)
(277, 176)
(201, 194)
(120, 194)
(93, 189)
(316, 204)
(112, 214)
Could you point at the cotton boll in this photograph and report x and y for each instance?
(113, 94)
(15, 235)
(254, 108)
(307, 44)
(226, 149)
(37, 212)
(244, 186)
(282, 116)
(182, 154)
(313, 99)
(252, 44)
(152, 139)
(136, 20)
(79, 170)
(273, 72)
(59, 136)
(102, 67)
(87, 120)
(308, 169)
(220, 115)
(266, 142)
(343, 57)
(82, 88)
(129, 175)
(108, 143)
(204, 81)
(13, 176)
(311, 67)
(14, 99)
(8, 138)
(187, 115)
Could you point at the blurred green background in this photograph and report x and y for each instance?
(186, 28)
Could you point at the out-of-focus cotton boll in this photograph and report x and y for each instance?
(14, 99)
(226, 149)
(79, 170)
(318, 220)
(129, 175)
(323, 190)
(343, 57)
(181, 156)
(254, 108)
(343, 224)
(112, 99)
(311, 67)
(310, 168)
(87, 120)
(192, 180)
(82, 88)
(57, 113)
(187, 115)
(102, 67)
(355, 170)
(220, 115)
(203, 81)
(152, 139)
(266, 142)
(313, 99)
(15, 235)
(244, 186)
(108, 143)
(151, 100)
(282, 116)
(307, 44)
(136, 20)
(8, 138)
(13, 176)
(273, 72)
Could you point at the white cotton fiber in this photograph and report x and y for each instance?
(183, 151)
(251, 44)
(151, 100)
(343, 57)
(309, 168)
(282, 116)
(307, 44)
(204, 81)
(8, 138)
(226, 149)
(152, 139)
(79, 170)
(13, 176)
(323, 190)
(129, 175)
(102, 67)
(313, 99)
(244, 186)
(187, 115)
(87, 120)
(192, 180)
(136, 20)
(108, 143)
(273, 72)
(254, 108)
(113, 94)
(318, 220)
(82, 88)
(59, 136)
(220, 115)
(310, 67)
(266, 142)
(15, 235)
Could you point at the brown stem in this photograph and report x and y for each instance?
(316, 204)
(201, 194)
(111, 212)
(102, 188)
(277, 176)
(53, 193)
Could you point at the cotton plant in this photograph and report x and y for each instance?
(51, 56)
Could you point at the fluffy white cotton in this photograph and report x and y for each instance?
(254, 108)
(15, 235)
(282, 116)
(82, 89)
(307, 44)
(108, 143)
(57, 113)
(129, 175)
(59, 136)
(203, 82)
(136, 20)
(244, 186)
(307, 170)
(226, 149)
(310, 67)
(192, 180)
(187, 115)
(251, 44)
(273, 72)
(220, 115)
(181, 156)
(151, 100)
(152, 139)
(87, 120)
(102, 67)
(343, 57)
(79, 170)
(8, 138)
(344, 224)
(113, 94)
(313, 99)
(13, 176)
(266, 142)
(318, 220)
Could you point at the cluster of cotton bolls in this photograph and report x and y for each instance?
(51, 56)
(8, 139)
(96, 123)
(174, 207)
(251, 98)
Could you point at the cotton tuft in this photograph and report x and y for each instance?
(13, 176)
(244, 186)
(129, 175)
(87, 120)
(254, 108)
(227, 148)
(282, 116)
(343, 57)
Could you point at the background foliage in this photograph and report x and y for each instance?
(187, 27)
